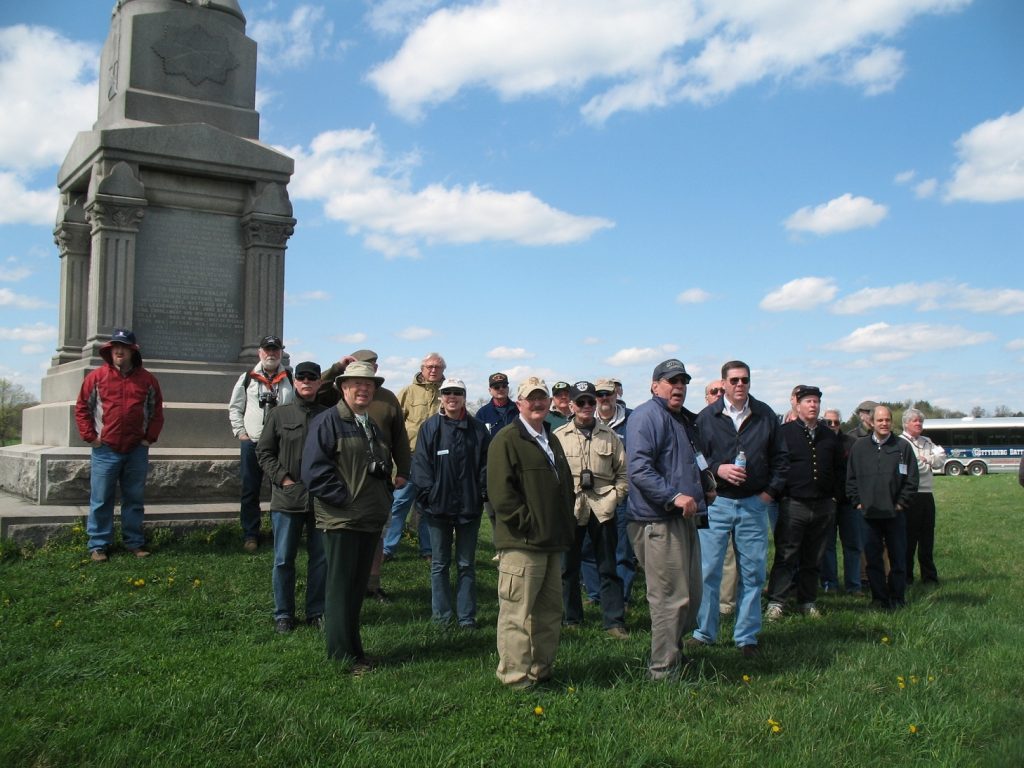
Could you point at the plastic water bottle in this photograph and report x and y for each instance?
(741, 460)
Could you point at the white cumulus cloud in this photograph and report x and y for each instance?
(374, 194)
(916, 337)
(13, 274)
(1015, 344)
(295, 41)
(349, 338)
(802, 293)
(634, 355)
(509, 353)
(32, 333)
(9, 298)
(926, 188)
(414, 333)
(642, 54)
(840, 214)
(47, 94)
(293, 299)
(990, 167)
(932, 297)
(693, 296)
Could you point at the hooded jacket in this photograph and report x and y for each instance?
(121, 409)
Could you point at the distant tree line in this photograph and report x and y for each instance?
(13, 400)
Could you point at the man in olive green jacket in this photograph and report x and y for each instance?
(530, 485)
(346, 466)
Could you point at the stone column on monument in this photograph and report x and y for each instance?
(115, 207)
(266, 226)
(72, 237)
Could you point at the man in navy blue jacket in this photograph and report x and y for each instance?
(667, 495)
(739, 424)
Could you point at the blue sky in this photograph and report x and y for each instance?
(831, 191)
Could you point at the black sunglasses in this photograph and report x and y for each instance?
(307, 377)
(716, 391)
(734, 380)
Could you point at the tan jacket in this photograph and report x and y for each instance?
(604, 455)
(419, 400)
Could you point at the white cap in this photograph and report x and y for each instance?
(452, 384)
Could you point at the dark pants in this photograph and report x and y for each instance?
(887, 534)
(252, 482)
(921, 537)
(605, 540)
(800, 538)
(349, 557)
(848, 522)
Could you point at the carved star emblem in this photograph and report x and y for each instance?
(196, 54)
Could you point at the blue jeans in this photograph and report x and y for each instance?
(252, 483)
(442, 532)
(287, 533)
(403, 501)
(848, 523)
(588, 569)
(747, 520)
(108, 470)
(625, 557)
(625, 560)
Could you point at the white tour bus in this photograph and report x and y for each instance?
(978, 446)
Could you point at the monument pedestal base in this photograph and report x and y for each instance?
(49, 475)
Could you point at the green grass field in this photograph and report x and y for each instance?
(173, 661)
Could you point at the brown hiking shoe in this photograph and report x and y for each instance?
(139, 552)
(98, 556)
(251, 544)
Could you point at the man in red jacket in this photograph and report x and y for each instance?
(119, 413)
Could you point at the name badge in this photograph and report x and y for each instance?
(702, 463)
(903, 469)
(443, 452)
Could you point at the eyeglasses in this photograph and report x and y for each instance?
(453, 393)
(832, 422)
(307, 377)
(734, 380)
(602, 393)
(716, 391)
(499, 386)
(586, 402)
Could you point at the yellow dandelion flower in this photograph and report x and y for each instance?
(901, 685)
(776, 729)
(885, 639)
(196, 583)
(899, 678)
(913, 679)
(912, 728)
(931, 679)
(139, 582)
(773, 723)
(538, 710)
(746, 678)
(571, 689)
(58, 623)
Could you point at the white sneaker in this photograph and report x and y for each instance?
(773, 612)
(810, 610)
